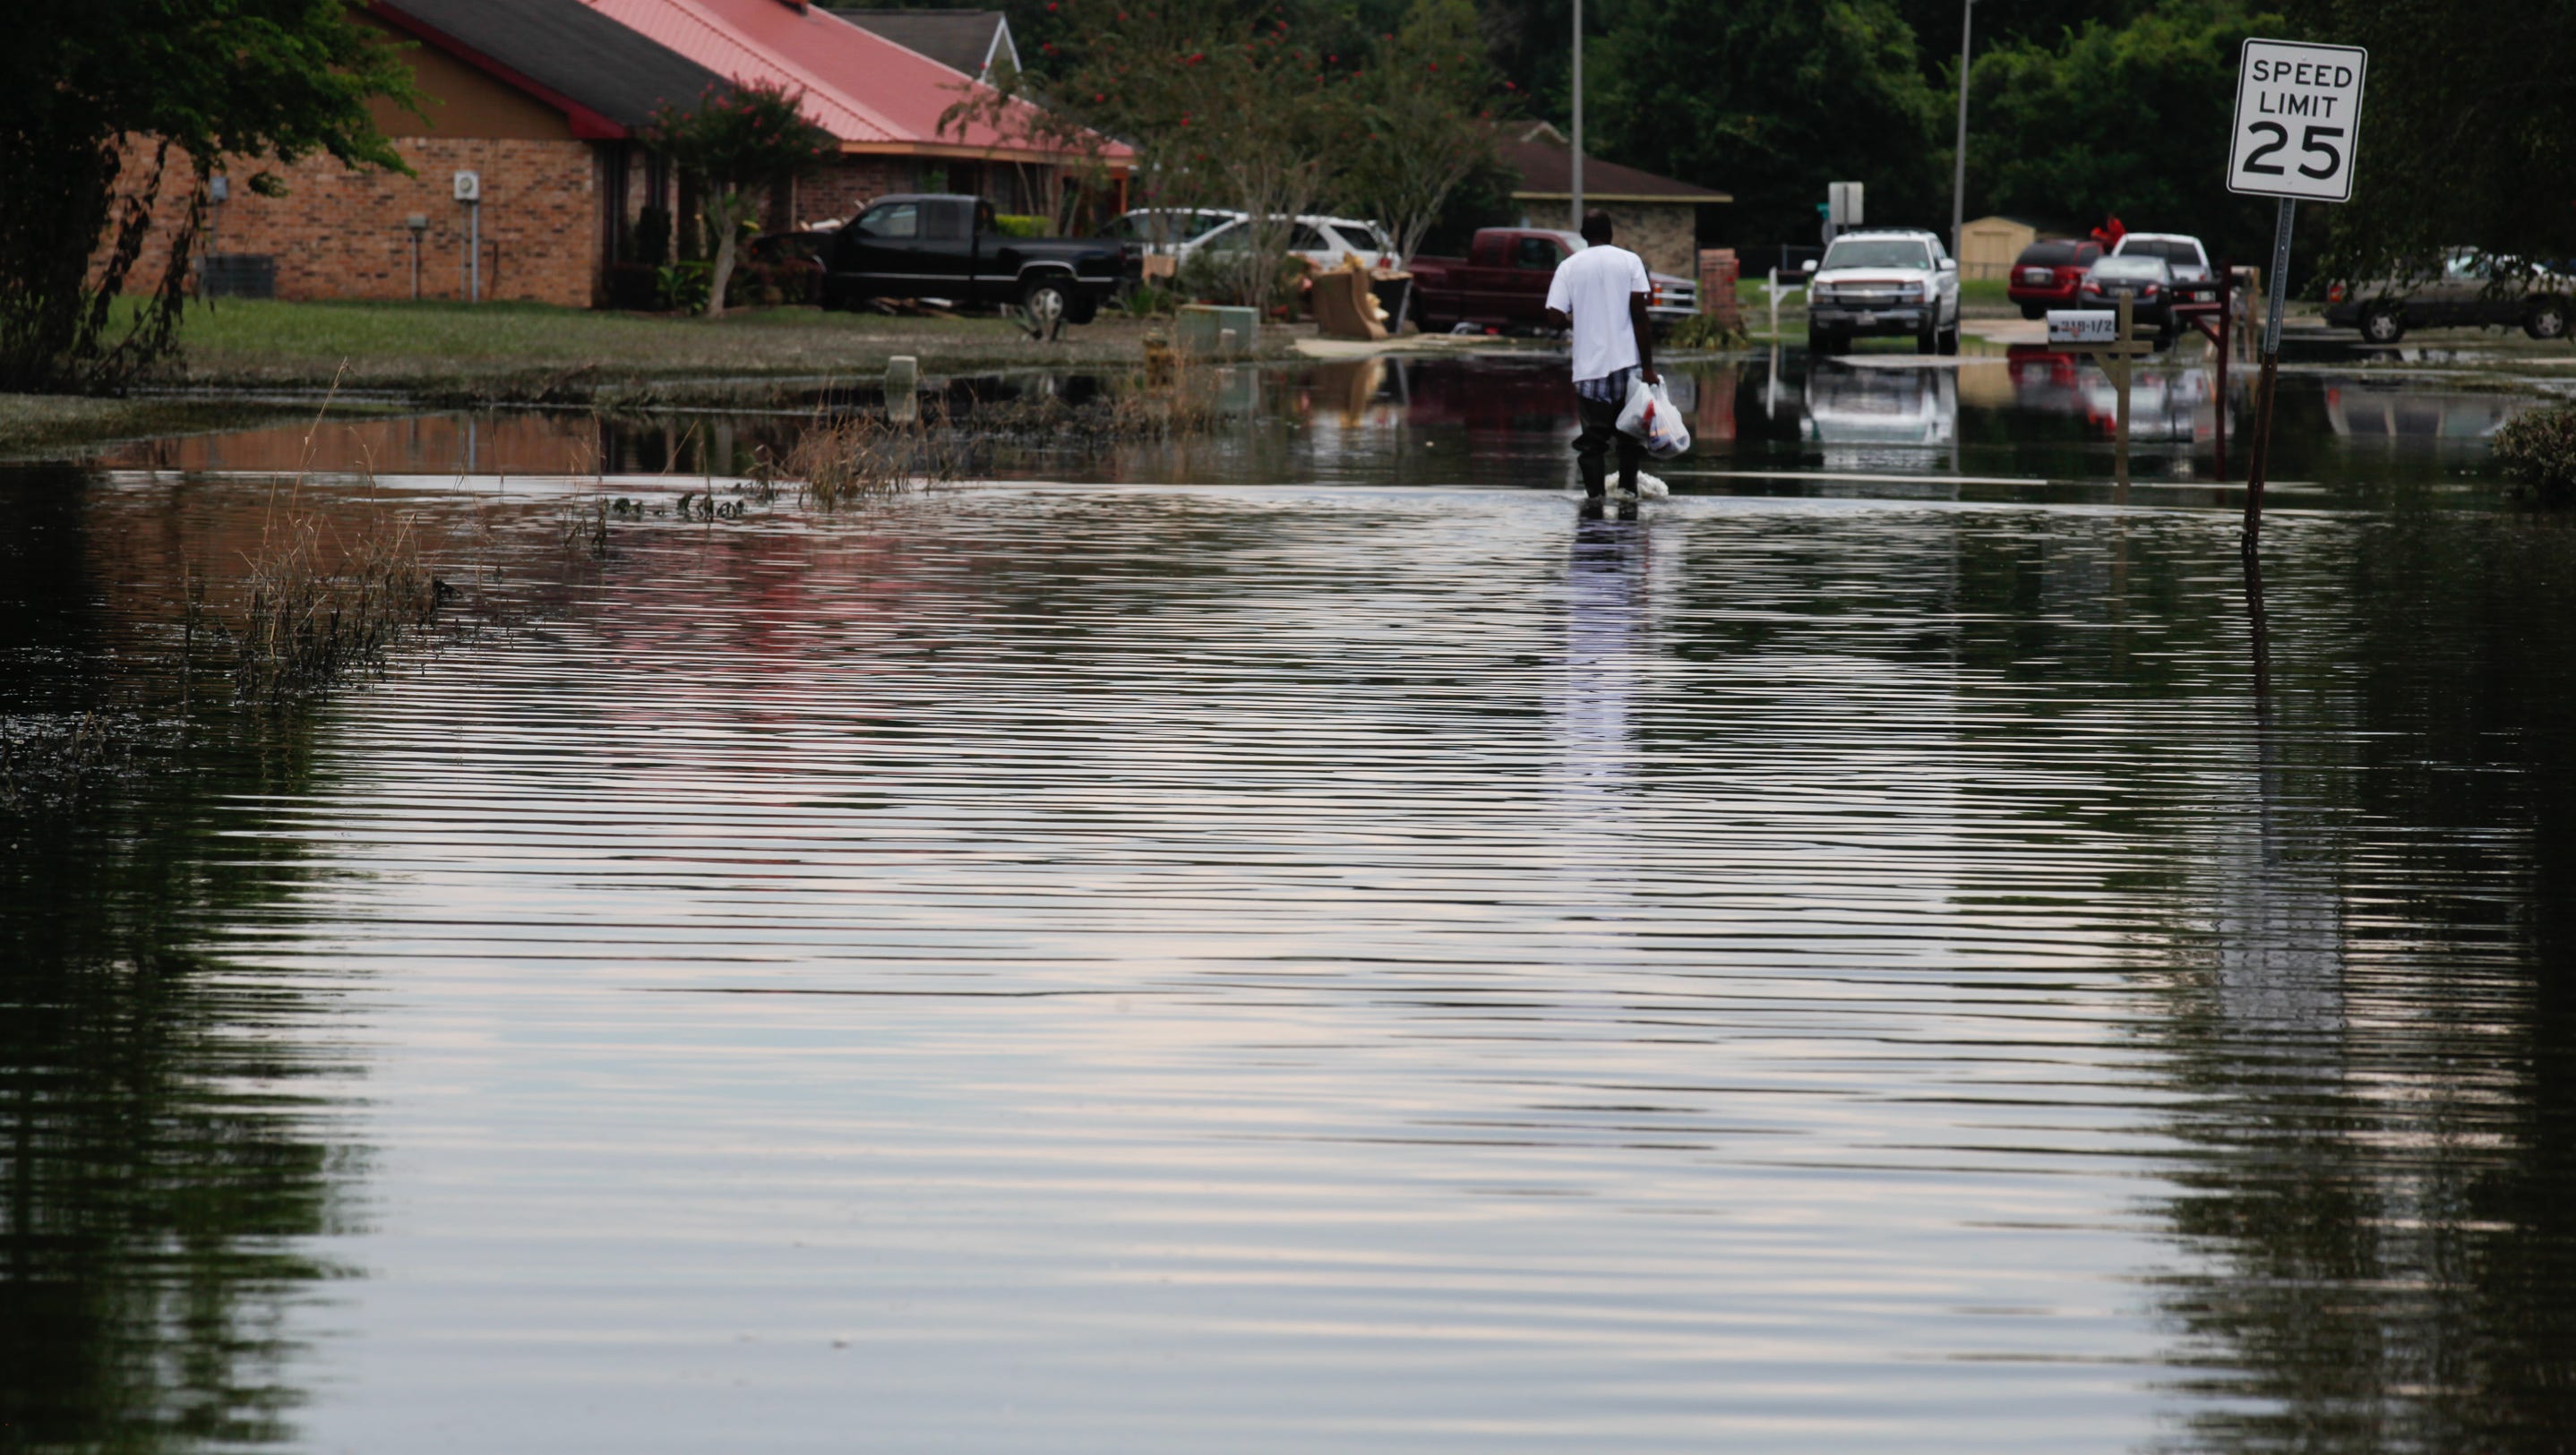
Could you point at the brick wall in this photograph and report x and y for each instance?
(339, 233)
(850, 184)
(1666, 235)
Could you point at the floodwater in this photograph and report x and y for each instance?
(1296, 941)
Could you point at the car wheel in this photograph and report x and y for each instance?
(1046, 302)
(2033, 312)
(2381, 325)
(1830, 345)
(1949, 342)
(2547, 319)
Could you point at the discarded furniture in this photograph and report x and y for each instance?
(1209, 331)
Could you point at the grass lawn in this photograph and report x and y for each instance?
(527, 351)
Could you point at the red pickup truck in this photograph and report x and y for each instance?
(1502, 283)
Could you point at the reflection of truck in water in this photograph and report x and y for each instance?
(2376, 411)
(1880, 407)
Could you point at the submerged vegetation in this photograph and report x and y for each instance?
(322, 605)
(840, 461)
(2538, 451)
(844, 459)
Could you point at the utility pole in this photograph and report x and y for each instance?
(1578, 114)
(1959, 179)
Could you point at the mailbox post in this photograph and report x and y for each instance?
(2114, 343)
(2298, 111)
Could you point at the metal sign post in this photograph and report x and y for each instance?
(2298, 110)
(1574, 189)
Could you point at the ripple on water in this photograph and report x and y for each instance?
(1055, 968)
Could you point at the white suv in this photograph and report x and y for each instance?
(1322, 241)
(1881, 281)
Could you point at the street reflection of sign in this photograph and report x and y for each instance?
(2082, 326)
(2298, 108)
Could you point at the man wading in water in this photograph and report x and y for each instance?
(1600, 295)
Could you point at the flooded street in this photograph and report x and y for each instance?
(1292, 940)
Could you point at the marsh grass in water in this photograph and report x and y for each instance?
(842, 459)
(321, 604)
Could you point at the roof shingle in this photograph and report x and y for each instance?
(565, 47)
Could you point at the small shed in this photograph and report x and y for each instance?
(1988, 245)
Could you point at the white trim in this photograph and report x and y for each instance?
(1002, 44)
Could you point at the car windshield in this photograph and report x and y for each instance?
(1877, 252)
(2132, 266)
(1147, 226)
(2171, 250)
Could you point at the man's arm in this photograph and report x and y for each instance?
(1559, 318)
(1644, 328)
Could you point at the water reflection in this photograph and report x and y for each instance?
(173, 1140)
(1011, 962)
(1883, 418)
(2030, 422)
(2373, 1030)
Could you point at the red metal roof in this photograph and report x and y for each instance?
(871, 93)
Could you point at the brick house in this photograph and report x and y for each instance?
(540, 98)
(545, 100)
(1658, 218)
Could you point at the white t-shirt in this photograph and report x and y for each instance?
(1593, 287)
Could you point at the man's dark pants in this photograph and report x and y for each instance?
(1600, 433)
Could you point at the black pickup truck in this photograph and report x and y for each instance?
(932, 246)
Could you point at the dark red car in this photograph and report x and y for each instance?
(2047, 274)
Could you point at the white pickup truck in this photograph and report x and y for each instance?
(1883, 281)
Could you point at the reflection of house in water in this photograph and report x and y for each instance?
(422, 444)
(2390, 411)
(1881, 417)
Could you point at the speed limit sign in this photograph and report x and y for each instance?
(2298, 108)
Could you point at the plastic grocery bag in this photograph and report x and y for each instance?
(1650, 416)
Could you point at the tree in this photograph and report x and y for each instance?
(1770, 100)
(2119, 118)
(1224, 107)
(1012, 110)
(107, 106)
(1423, 129)
(739, 141)
(2468, 131)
